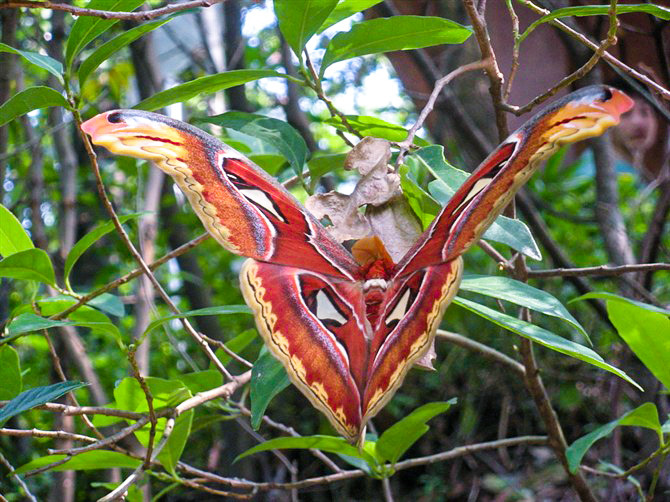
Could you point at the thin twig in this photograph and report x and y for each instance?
(515, 50)
(600, 270)
(131, 275)
(482, 349)
(200, 398)
(315, 84)
(665, 93)
(18, 479)
(430, 104)
(71, 436)
(108, 14)
(150, 403)
(576, 75)
(98, 445)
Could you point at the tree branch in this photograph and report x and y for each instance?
(108, 14)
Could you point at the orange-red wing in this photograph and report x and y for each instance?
(243, 208)
(483, 196)
(315, 325)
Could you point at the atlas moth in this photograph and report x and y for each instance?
(347, 326)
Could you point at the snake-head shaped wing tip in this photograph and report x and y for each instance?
(583, 114)
(136, 133)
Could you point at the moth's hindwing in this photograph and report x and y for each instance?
(314, 326)
(407, 329)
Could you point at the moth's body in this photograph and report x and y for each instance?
(347, 327)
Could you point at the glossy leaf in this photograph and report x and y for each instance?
(423, 205)
(276, 133)
(108, 303)
(521, 294)
(87, 28)
(13, 237)
(10, 373)
(102, 53)
(36, 396)
(31, 264)
(330, 444)
(174, 447)
(200, 381)
(392, 34)
(373, 126)
(598, 10)
(543, 337)
(398, 438)
(28, 100)
(237, 345)
(202, 86)
(268, 378)
(642, 416)
(29, 323)
(300, 19)
(644, 328)
(345, 9)
(223, 310)
(617, 298)
(87, 461)
(646, 333)
(45, 62)
(320, 165)
(88, 240)
(509, 231)
(128, 394)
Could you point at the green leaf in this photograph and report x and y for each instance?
(617, 298)
(521, 294)
(642, 416)
(10, 373)
(109, 303)
(393, 34)
(423, 205)
(598, 10)
(299, 19)
(13, 237)
(223, 310)
(201, 381)
(646, 333)
(543, 337)
(202, 86)
(329, 444)
(398, 438)
(32, 264)
(87, 28)
(373, 126)
(35, 397)
(448, 179)
(27, 323)
(128, 394)
(236, 345)
(30, 99)
(271, 163)
(84, 316)
(102, 53)
(345, 9)
(515, 234)
(321, 165)
(88, 240)
(268, 378)
(274, 132)
(47, 63)
(174, 447)
(87, 461)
